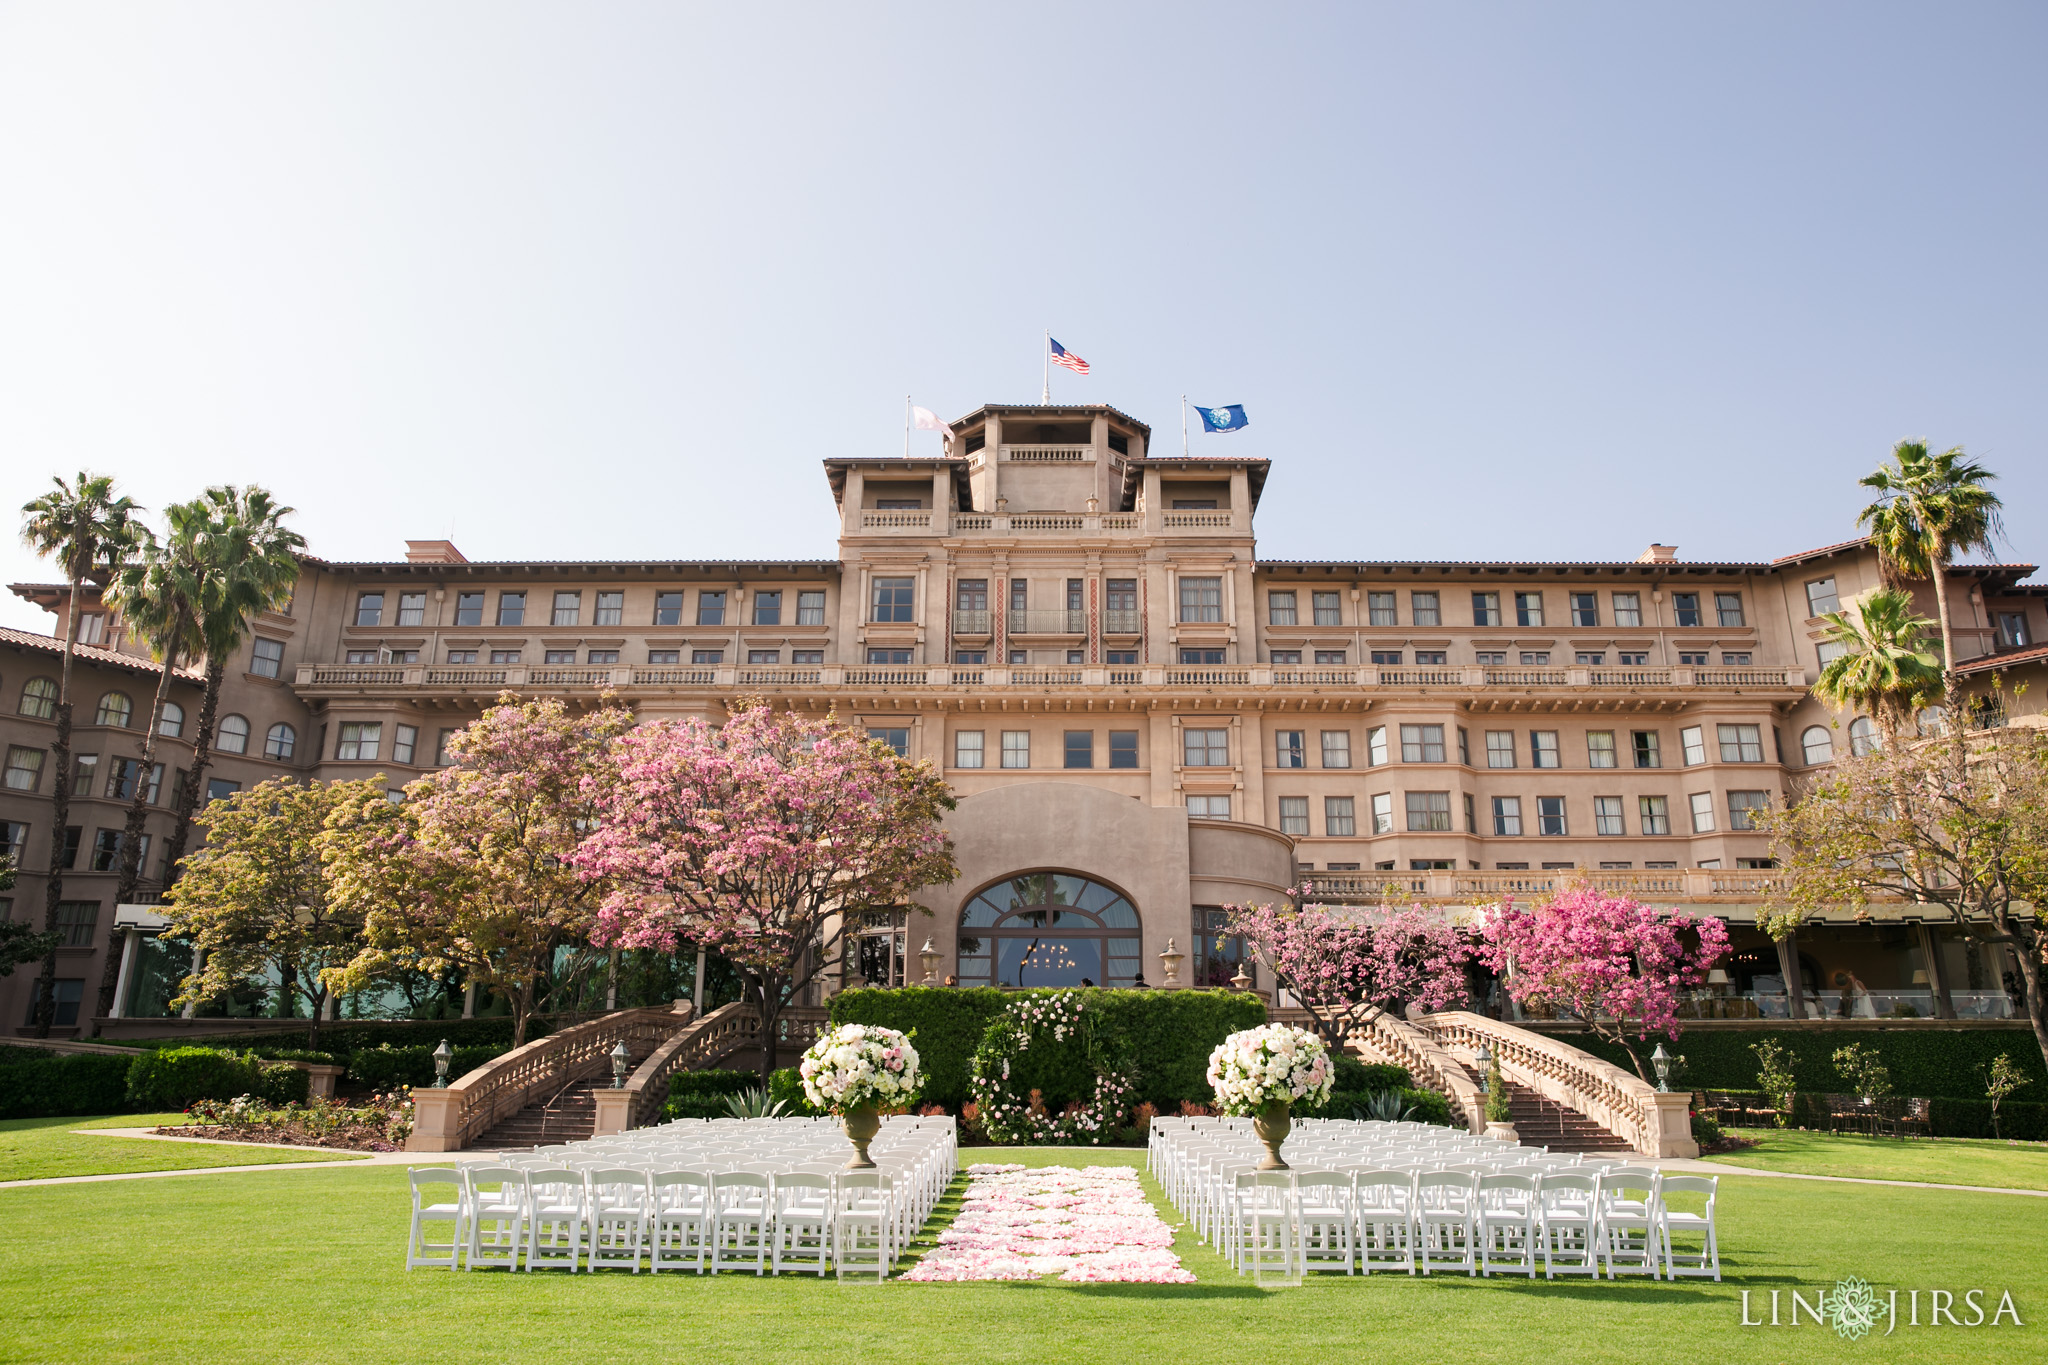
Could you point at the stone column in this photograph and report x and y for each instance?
(1937, 970)
(614, 1111)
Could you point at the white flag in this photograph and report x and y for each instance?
(924, 419)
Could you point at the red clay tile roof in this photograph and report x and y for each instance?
(51, 645)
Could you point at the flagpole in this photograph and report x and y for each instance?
(1183, 426)
(1046, 356)
(906, 426)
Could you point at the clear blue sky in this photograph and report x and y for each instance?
(582, 281)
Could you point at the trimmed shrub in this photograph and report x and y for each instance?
(701, 1094)
(172, 1078)
(1923, 1059)
(2028, 1122)
(387, 1068)
(1171, 1034)
(787, 1086)
(48, 1085)
(343, 1037)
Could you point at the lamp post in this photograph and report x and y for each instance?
(443, 1055)
(1485, 1060)
(1660, 1061)
(621, 1059)
(929, 957)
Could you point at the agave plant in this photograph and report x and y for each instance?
(1384, 1106)
(754, 1104)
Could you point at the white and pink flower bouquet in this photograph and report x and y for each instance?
(861, 1064)
(1256, 1066)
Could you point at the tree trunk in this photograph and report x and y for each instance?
(771, 1010)
(2026, 952)
(195, 776)
(521, 1001)
(1937, 972)
(60, 813)
(131, 838)
(1788, 965)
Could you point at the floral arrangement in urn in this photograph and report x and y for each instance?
(1263, 1072)
(855, 1070)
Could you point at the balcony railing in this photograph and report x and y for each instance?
(1045, 677)
(357, 675)
(1285, 676)
(1209, 676)
(464, 676)
(779, 675)
(701, 675)
(1047, 521)
(556, 676)
(1054, 622)
(972, 622)
(1464, 887)
(1525, 677)
(1123, 621)
(895, 521)
(1181, 521)
(1048, 454)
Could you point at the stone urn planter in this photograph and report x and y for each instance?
(861, 1124)
(1272, 1124)
(1504, 1132)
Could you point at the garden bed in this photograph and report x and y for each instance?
(380, 1124)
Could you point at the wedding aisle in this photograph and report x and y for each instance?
(1091, 1224)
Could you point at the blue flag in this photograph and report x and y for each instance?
(1222, 419)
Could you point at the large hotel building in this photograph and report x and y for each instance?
(1123, 692)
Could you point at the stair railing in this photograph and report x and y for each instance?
(726, 1030)
(1377, 1036)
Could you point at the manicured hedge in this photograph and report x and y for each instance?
(1171, 1034)
(1924, 1059)
(48, 1085)
(701, 1094)
(172, 1078)
(387, 1068)
(344, 1037)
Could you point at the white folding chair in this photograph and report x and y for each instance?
(497, 1200)
(619, 1204)
(803, 1222)
(740, 1219)
(1382, 1202)
(1323, 1202)
(438, 1196)
(1269, 1223)
(1445, 1227)
(1568, 1223)
(1684, 1223)
(555, 1217)
(682, 1220)
(1628, 1220)
(1506, 1213)
(863, 1224)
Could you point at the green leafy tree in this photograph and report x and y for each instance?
(89, 531)
(261, 893)
(1864, 1069)
(2001, 1081)
(19, 941)
(1774, 1076)
(1884, 667)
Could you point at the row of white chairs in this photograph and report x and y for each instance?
(760, 1195)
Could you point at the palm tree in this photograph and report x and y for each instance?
(89, 531)
(1884, 666)
(160, 595)
(246, 561)
(1929, 509)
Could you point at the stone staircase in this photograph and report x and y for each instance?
(1542, 1122)
(568, 1115)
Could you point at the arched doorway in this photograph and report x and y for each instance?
(1048, 929)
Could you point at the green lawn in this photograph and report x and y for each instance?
(37, 1149)
(308, 1266)
(1942, 1161)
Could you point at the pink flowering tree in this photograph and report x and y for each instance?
(766, 840)
(1333, 961)
(1610, 961)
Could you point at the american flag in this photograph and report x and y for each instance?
(1062, 356)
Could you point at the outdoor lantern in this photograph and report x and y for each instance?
(1661, 1060)
(929, 956)
(443, 1055)
(1485, 1060)
(621, 1059)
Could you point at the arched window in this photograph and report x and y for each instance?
(115, 708)
(39, 698)
(1933, 721)
(173, 723)
(280, 742)
(1048, 929)
(1818, 744)
(234, 735)
(1862, 736)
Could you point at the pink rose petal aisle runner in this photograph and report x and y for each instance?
(1091, 1225)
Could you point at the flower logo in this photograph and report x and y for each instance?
(1853, 1308)
(1221, 416)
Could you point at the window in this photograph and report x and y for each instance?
(1735, 658)
(611, 609)
(1817, 745)
(1423, 609)
(1280, 609)
(280, 742)
(1422, 744)
(1692, 739)
(1741, 743)
(72, 835)
(75, 921)
(1528, 608)
(1543, 749)
(359, 741)
(2012, 630)
(1205, 748)
(1702, 812)
(1863, 737)
(1728, 608)
(1286, 656)
(970, 595)
(1507, 816)
(893, 599)
(881, 656)
(1289, 749)
(1590, 659)
(504, 656)
(461, 656)
(1607, 816)
(1655, 814)
(1429, 812)
(1539, 657)
(1485, 608)
(171, 723)
(121, 781)
(511, 608)
(1500, 748)
(970, 656)
(605, 656)
(1550, 816)
(1376, 746)
(1294, 815)
(1079, 749)
(1383, 813)
(1464, 746)
(1647, 750)
(1016, 748)
(1340, 817)
(1427, 657)
(568, 610)
(668, 609)
(711, 607)
(1685, 608)
(412, 609)
(24, 768)
(1600, 749)
(233, 735)
(1076, 656)
(1820, 597)
(810, 608)
(1628, 608)
(807, 656)
(92, 628)
(1201, 656)
(1020, 594)
(370, 609)
(1743, 808)
(404, 743)
(1585, 608)
(1201, 599)
(13, 843)
(84, 767)
(968, 749)
(1020, 657)
(764, 656)
(1490, 656)
(897, 737)
(1336, 748)
(39, 699)
(1632, 658)
(1208, 808)
(1389, 657)
(114, 709)
(1334, 656)
(442, 758)
(1123, 748)
(469, 609)
(558, 656)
